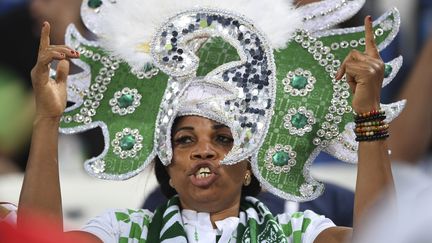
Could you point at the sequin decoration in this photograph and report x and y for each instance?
(299, 83)
(299, 121)
(98, 166)
(252, 78)
(148, 73)
(280, 158)
(127, 143)
(125, 101)
(95, 94)
(306, 190)
(339, 103)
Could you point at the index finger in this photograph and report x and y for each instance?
(371, 48)
(44, 38)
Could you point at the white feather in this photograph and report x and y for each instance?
(129, 23)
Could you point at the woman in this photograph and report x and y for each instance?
(211, 204)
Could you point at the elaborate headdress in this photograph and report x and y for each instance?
(264, 68)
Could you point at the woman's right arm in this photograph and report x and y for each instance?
(40, 194)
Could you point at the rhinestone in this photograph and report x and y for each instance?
(127, 142)
(316, 141)
(95, 104)
(298, 82)
(325, 50)
(87, 103)
(99, 97)
(96, 57)
(319, 44)
(94, 3)
(68, 119)
(387, 70)
(115, 66)
(323, 62)
(334, 46)
(125, 100)
(354, 43)
(88, 54)
(311, 50)
(92, 112)
(280, 158)
(102, 71)
(299, 120)
(87, 120)
(344, 44)
(379, 32)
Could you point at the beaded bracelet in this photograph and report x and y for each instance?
(372, 138)
(370, 126)
(371, 123)
(373, 115)
(371, 133)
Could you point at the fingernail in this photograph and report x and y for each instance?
(369, 18)
(44, 24)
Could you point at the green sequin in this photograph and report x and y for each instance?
(203, 23)
(168, 47)
(94, 3)
(388, 70)
(298, 82)
(299, 120)
(280, 158)
(125, 100)
(127, 142)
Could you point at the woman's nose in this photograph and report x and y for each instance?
(204, 150)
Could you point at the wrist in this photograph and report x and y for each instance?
(42, 119)
(367, 108)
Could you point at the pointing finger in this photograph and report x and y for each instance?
(45, 33)
(371, 48)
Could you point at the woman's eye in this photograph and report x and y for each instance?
(183, 140)
(225, 139)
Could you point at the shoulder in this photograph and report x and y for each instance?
(305, 225)
(115, 224)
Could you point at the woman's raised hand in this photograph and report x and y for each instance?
(50, 94)
(364, 73)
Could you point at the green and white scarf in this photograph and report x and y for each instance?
(256, 224)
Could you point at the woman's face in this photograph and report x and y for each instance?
(203, 184)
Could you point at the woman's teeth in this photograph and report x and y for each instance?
(203, 173)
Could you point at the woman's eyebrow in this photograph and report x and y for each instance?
(183, 128)
(220, 126)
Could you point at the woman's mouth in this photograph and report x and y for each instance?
(204, 175)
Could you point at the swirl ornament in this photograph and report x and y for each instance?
(249, 81)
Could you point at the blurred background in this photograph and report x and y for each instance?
(85, 197)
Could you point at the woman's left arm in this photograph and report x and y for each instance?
(365, 73)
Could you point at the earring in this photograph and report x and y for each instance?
(171, 183)
(247, 179)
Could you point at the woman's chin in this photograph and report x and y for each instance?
(207, 200)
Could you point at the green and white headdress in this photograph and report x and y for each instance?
(264, 68)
